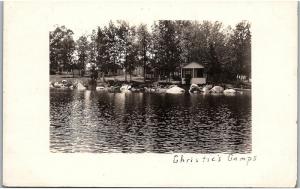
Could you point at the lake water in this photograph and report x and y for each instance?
(98, 122)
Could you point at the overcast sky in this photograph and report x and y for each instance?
(82, 18)
(85, 29)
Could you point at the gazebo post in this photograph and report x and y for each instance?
(181, 73)
(193, 75)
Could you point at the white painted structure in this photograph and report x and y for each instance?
(195, 71)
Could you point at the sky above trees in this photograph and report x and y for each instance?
(84, 28)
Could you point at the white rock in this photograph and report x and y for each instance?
(194, 88)
(217, 89)
(58, 85)
(229, 91)
(125, 88)
(206, 88)
(80, 87)
(193, 85)
(100, 88)
(175, 90)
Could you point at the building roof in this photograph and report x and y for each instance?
(193, 65)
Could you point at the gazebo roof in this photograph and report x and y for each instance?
(193, 65)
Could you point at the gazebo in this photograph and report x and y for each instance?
(193, 73)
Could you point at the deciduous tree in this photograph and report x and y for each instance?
(62, 47)
(82, 51)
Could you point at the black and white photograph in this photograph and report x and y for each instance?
(150, 94)
(161, 86)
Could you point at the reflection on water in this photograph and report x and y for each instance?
(90, 121)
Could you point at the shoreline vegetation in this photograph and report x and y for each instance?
(111, 55)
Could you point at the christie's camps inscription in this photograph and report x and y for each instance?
(171, 86)
(219, 158)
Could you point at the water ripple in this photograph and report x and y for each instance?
(100, 122)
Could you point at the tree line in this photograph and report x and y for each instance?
(160, 50)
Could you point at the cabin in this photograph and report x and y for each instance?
(193, 73)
